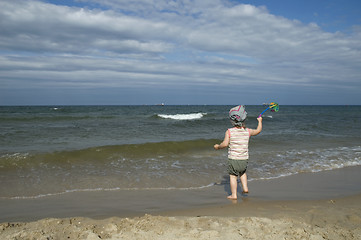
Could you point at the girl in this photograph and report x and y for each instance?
(237, 139)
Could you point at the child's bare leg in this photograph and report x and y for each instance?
(233, 183)
(244, 183)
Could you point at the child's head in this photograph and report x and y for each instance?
(238, 115)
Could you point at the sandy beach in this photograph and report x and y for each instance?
(324, 205)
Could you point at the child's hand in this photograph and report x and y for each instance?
(259, 119)
(216, 146)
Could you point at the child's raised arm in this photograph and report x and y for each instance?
(255, 132)
(225, 142)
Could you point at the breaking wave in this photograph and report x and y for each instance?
(188, 116)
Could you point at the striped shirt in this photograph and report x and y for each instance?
(238, 143)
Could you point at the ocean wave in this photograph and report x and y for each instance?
(105, 154)
(51, 119)
(187, 116)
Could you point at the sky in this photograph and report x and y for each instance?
(122, 52)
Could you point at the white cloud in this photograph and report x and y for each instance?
(39, 27)
(148, 42)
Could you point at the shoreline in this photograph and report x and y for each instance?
(333, 219)
(299, 219)
(131, 203)
(322, 205)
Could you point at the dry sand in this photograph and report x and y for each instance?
(261, 215)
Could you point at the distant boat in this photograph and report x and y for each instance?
(162, 104)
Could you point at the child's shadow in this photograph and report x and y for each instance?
(225, 183)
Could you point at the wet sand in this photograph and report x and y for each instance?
(324, 205)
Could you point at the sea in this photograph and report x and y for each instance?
(54, 150)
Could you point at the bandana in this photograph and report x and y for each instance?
(238, 115)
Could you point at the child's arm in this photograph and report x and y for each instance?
(225, 142)
(255, 132)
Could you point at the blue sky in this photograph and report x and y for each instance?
(180, 52)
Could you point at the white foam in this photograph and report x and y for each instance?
(15, 156)
(189, 116)
(298, 161)
(109, 189)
